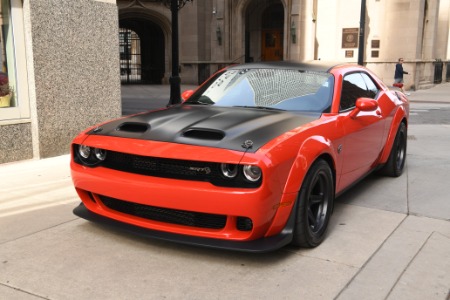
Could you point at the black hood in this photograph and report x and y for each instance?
(233, 128)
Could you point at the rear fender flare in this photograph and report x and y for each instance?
(399, 117)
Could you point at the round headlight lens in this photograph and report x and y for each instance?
(100, 154)
(84, 151)
(252, 173)
(229, 170)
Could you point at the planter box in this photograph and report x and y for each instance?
(5, 101)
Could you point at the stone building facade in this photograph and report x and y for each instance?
(61, 58)
(217, 33)
(66, 59)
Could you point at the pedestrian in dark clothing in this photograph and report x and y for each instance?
(398, 76)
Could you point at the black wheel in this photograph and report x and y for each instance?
(397, 157)
(315, 203)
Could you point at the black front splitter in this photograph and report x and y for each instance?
(256, 246)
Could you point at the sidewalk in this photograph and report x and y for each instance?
(389, 238)
(440, 93)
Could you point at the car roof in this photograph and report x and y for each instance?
(313, 66)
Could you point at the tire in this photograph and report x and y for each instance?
(397, 158)
(315, 204)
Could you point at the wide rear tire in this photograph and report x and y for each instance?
(315, 204)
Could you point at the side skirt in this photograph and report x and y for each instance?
(356, 182)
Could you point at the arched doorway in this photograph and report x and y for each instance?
(142, 51)
(264, 30)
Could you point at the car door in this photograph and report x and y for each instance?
(363, 134)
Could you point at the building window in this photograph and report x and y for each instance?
(13, 66)
(7, 78)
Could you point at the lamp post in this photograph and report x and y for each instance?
(362, 26)
(175, 81)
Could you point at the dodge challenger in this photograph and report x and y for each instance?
(252, 160)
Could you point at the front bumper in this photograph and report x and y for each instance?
(262, 245)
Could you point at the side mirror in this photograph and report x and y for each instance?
(363, 104)
(186, 94)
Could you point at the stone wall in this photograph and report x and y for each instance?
(76, 69)
(15, 142)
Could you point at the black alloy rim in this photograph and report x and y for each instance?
(401, 151)
(318, 198)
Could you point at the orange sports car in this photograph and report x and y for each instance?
(252, 160)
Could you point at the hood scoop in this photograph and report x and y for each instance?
(204, 134)
(133, 127)
(207, 126)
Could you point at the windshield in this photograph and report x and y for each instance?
(284, 89)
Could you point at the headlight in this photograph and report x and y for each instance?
(84, 151)
(241, 175)
(100, 154)
(89, 156)
(229, 170)
(252, 173)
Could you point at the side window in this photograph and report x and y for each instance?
(353, 87)
(371, 86)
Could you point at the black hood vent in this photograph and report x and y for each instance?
(133, 127)
(204, 134)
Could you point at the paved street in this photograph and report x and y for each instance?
(137, 98)
(389, 238)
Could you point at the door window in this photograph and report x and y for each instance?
(353, 87)
(371, 86)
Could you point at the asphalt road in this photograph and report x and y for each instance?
(138, 98)
(430, 113)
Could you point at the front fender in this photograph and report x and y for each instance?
(309, 151)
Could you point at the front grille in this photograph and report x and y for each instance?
(173, 216)
(173, 168)
(160, 167)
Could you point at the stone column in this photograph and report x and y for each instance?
(76, 78)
